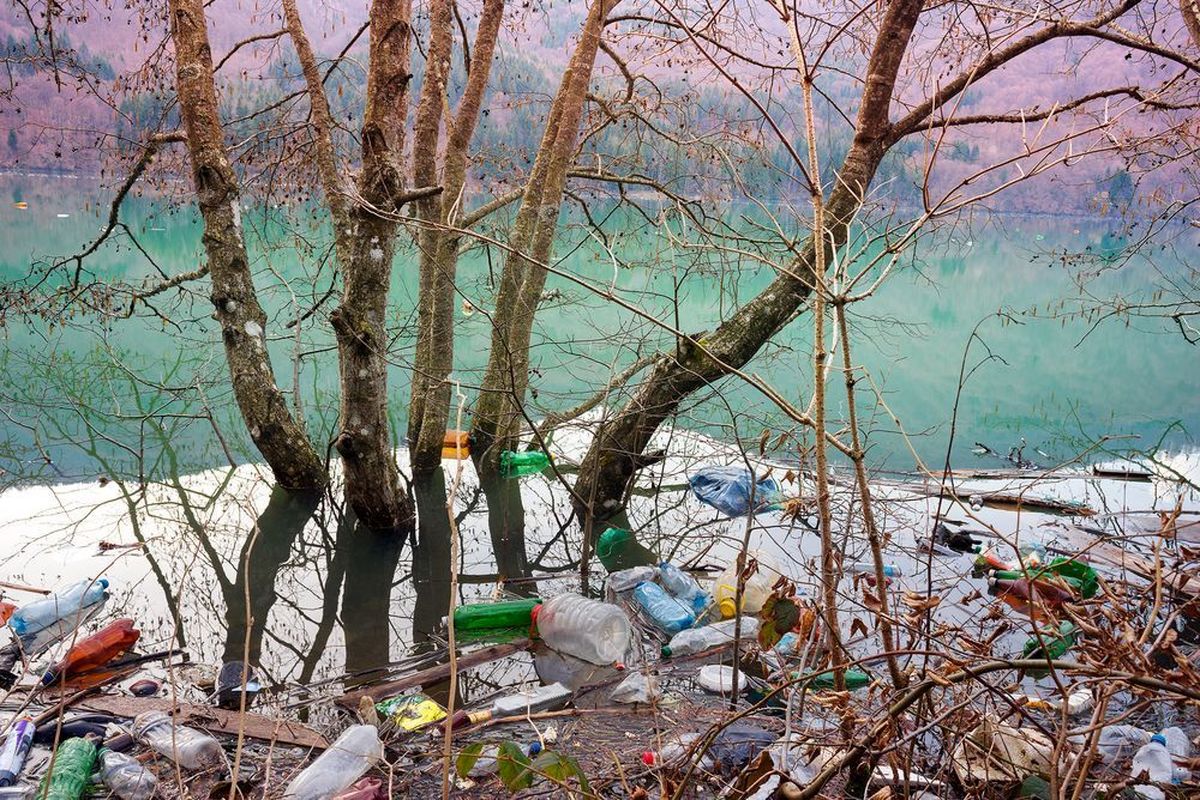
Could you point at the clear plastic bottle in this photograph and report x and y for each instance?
(1155, 760)
(33, 617)
(347, 759)
(126, 777)
(1178, 743)
(588, 629)
(15, 750)
(625, 579)
(188, 747)
(683, 586)
(1118, 742)
(868, 568)
(695, 640)
(668, 613)
(755, 591)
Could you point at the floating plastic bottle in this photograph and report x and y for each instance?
(684, 587)
(1057, 643)
(756, 590)
(71, 771)
(494, 615)
(1178, 743)
(668, 614)
(126, 777)
(1118, 742)
(625, 579)
(855, 679)
(868, 568)
(587, 629)
(188, 747)
(7, 609)
(619, 549)
(528, 701)
(1154, 759)
(62, 605)
(94, 652)
(347, 759)
(15, 750)
(697, 640)
(518, 464)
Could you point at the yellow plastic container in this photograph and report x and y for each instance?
(755, 591)
(454, 445)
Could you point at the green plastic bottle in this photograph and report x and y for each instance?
(529, 462)
(619, 549)
(73, 764)
(1057, 642)
(491, 616)
(855, 679)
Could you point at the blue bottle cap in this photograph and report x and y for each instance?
(1158, 737)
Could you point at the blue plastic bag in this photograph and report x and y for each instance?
(727, 489)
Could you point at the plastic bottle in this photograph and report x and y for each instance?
(555, 667)
(787, 644)
(517, 464)
(625, 579)
(619, 549)
(188, 747)
(7, 609)
(33, 617)
(501, 614)
(695, 640)
(588, 629)
(126, 777)
(855, 679)
(1033, 555)
(684, 587)
(1118, 742)
(16, 748)
(756, 590)
(347, 759)
(668, 614)
(867, 568)
(1154, 759)
(71, 772)
(94, 652)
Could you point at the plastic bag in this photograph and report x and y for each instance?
(728, 490)
(637, 688)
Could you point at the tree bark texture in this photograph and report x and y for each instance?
(498, 413)
(616, 452)
(279, 437)
(429, 407)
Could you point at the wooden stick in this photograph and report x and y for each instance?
(441, 672)
(20, 587)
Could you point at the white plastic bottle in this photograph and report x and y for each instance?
(755, 591)
(588, 629)
(1180, 748)
(188, 747)
(695, 640)
(1118, 742)
(125, 777)
(347, 759)
(1155, 760)
(33, 617)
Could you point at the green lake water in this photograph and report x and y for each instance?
(83, 396)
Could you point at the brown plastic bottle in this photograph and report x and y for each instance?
(94, 652)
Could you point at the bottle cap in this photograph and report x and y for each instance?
(665, 652)
(534, 613)
(103, 583)
(728, 607)
(1158, 737)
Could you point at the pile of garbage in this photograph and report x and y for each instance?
(723, 680)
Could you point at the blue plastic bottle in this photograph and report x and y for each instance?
(668, 613)
(64, 604)
(684, 587)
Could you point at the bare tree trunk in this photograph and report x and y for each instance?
(498, 412)
(278, 436)
(364, 240)
(615, 454)
(430, 404)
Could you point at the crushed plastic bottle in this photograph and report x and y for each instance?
(625, 579)
(515, 464)
(588, 629)
(668, 613)
(1155, 760)
(71, 772)
(696, 640)
(684, 587)
(65, 605)
(1118, 742)
(755, 591)
(126, 777)
(347, 759)
(188, 747)
(15, 750)
(94, 652)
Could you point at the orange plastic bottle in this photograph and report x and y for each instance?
(94, 652)
(6, 610)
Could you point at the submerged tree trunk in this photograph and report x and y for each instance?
(498, 415)
(616, 453)
(430, 405)
(278, 436)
